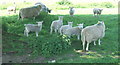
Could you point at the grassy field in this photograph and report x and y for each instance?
(16, 44)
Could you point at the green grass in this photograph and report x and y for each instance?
(15, 41)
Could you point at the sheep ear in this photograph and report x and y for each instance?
(24, 24)
(98, 21)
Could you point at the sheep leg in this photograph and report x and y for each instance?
(55, 30)
(22, 18)
(94, 43)
(99, 42)
(87, 46)
(60, 32)
(24, 32)
(78, 37)
(83, 45)
(36, 34)
(33, 18)
(27, 34)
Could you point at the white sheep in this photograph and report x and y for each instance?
(56, 24)
(71, 11)
(65, 27)
(44, 8)
(29, 12)
(97, 11)
(74, 31)
(33, 28)
(92, 33)
(11, 8)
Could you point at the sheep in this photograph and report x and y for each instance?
(71, 11)
(33, 28)
(29, 12)
(56, 25)
(44, 8)
(97, 11)
(74, 31)
(64, 27)
(11, 8)
(92, 33)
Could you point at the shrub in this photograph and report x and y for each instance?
(64, 2)
(107, 5)
(4, 27)
(48, 46)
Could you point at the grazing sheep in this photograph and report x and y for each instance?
(92, 33)
(33, 28)
(65, 27)
(29, 12)
(97, 11)
(56, 24)
(71, 11)
(44, 8)
(74, 31)
(11, 8)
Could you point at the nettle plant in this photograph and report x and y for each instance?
(48, 46)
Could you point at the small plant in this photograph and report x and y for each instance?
(64, 2)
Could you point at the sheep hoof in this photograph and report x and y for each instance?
(83, 51)
(87, 51)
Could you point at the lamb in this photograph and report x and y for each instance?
(64, 27)
(56, 25)
(11, 8)
(71, 11)
(29, 12)
(92, 33)
(97, 11)
(44, 8)
(33, 28)
(74, 31)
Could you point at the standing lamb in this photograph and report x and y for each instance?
(65, 27)
(97, 11)
(11, 8)
(92, 33)
(33, 28)
(71, 11)
(56, 24)
(29, 12)
(74, 31)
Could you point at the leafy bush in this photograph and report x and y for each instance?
(107, 5)
(64, 2)
(4, 27)
(48, 46)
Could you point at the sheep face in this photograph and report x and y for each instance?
(70, 23)
(100, 23)
(80, 25)
(60, 17)
(40, 23)
(71, 8)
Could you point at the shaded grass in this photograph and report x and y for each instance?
(108, 48)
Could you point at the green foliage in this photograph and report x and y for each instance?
(4, 26)
(48, 46)
(107, 5)
(64, 2)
